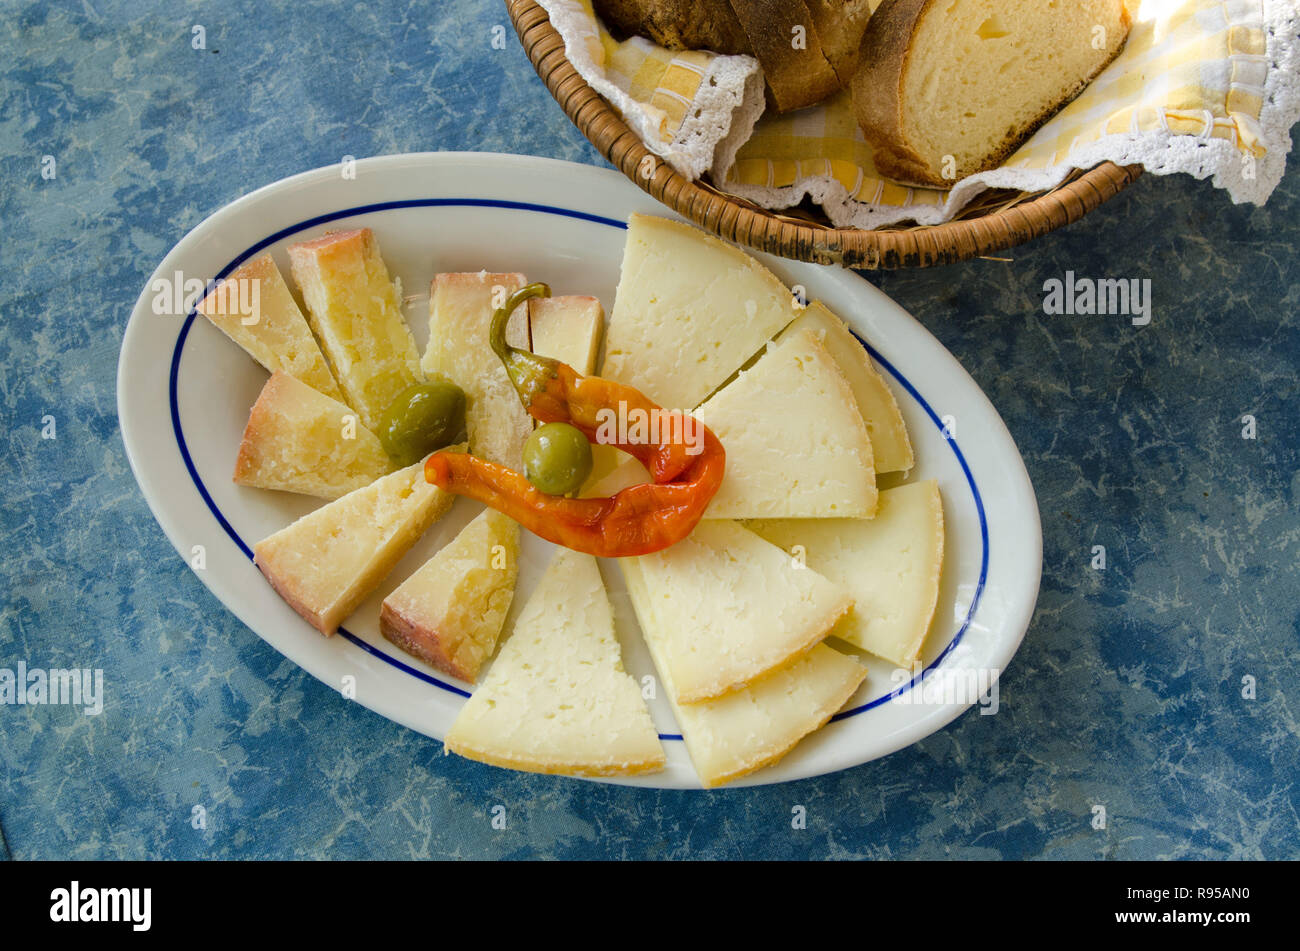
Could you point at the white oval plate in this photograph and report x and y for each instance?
(184, 393)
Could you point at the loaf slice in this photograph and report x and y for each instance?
(789, 47)
(557, 699)
(299, 440)
(947, 89)
(355, 310)
(326, 563)
(265, 320)
(450, 612)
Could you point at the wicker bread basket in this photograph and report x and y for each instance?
(995, 221)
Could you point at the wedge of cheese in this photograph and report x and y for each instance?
(299, 440)
(689, 312)
(891, 565)
(567, 329)
(890, 444)
(460, 316)
(796, 445)
(355, 309)
(557, 699)
(327, 562)
(729, 607)
(757, 725)
(254, 308)
(450, 613)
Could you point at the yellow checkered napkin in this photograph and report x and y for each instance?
(1207, 87)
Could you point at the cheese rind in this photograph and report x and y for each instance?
(689, 311)
(450, 613)
(730, 607)
(567, 329)
(277, 335)
(758, 725)
(326, 563)
(354, 308)
(891, 565)
(796, 445)
(299, 440)
(557, 699)
(890, 445)
(460, 318)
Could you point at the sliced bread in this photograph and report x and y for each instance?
(948, 89)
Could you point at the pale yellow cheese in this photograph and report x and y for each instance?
(557, 699)
(460, 318)
(299, 440)
(451, 611)
(796, 445)
(891, 565)
(890, 444)
(355, 310)
(567, 329)
(757, 725)
(327, 562)
(612, 470)
(254, 308)
(729, 607)
(690, 310)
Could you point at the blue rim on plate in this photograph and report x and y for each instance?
(596, 219)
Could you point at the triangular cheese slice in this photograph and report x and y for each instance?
(355, 310)
(327, 562)
(254, 308)
(299, 440)
(756, 725)
(460, 318)
(729, 607)
(796, 445)
(890, 444)
(567, 329)
(556, 699)
(450, 612)
(891, 565)
(689, 311)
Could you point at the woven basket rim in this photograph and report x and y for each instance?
(978, 231)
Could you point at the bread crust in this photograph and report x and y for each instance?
(761, 28)
(795, 77)
(840, 25)
(877, 91)
(677, 24)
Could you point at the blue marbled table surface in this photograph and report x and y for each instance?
(1127, 693)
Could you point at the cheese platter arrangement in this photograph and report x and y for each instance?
(572, 486)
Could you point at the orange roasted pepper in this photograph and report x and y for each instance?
(636, 521)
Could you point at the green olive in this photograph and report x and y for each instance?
(423, 418)
(557, 458)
